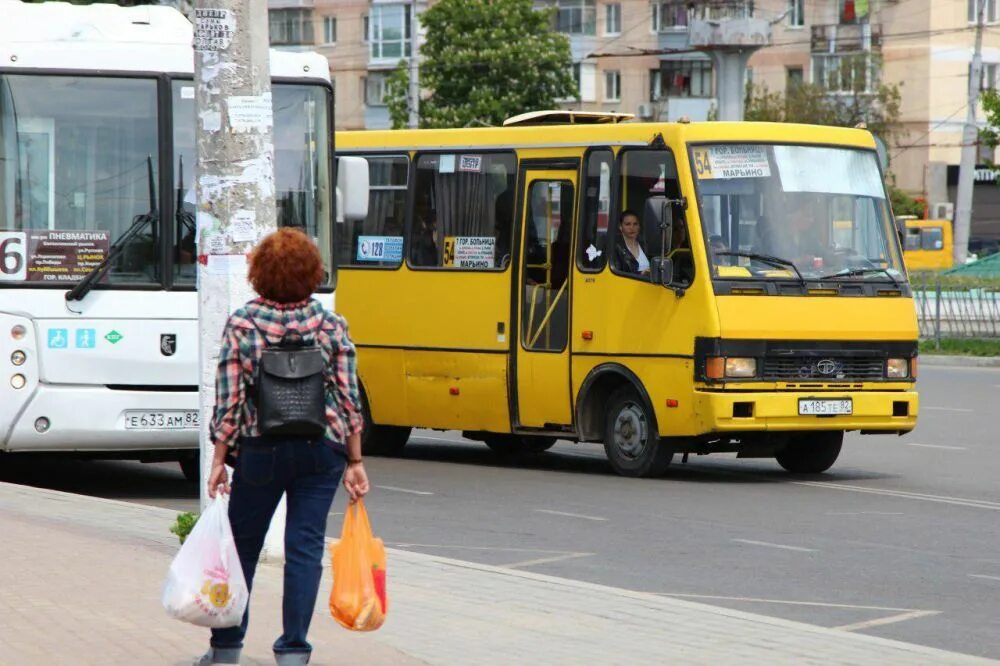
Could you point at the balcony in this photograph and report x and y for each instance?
(846, 38)
(727, 24)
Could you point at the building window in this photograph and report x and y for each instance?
(374, 85)
(681, 78)
(291, 27)
(854, 72)
(989, 16)
(329, 30)
(613, 18)
(612, 86)
(585, 75)
(988, 76)
(793, 77)
(576, 17)
(669, 15)
(365, 27)
(389, 32)
(855, 11)
(796, 13)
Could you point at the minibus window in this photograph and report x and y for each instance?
(546, 266)
(378, 239)
(932, 238)
(912, 239)
(463, 211)
(592, 251)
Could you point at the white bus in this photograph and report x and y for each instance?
(97, 156)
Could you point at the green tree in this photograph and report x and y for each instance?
(397, 95)
(991, 106)
(486, 60)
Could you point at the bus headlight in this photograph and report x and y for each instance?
(741, 367)
(18, 357)
(897, 368)
(18, 332)
(18, 381)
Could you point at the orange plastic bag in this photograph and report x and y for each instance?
(358, 600)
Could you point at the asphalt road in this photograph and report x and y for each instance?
(900, 539)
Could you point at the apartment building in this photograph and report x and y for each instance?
(636, 56)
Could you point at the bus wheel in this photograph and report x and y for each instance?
(191, 467)
(519, 445)
(631, 442)
(810, 453)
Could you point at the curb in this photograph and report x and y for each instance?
(960, 361)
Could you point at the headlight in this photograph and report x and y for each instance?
(897, 368)
(18, 332)
(741, 367)
(18, 357)
(18, 381)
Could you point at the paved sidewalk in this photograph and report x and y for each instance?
(81, 582)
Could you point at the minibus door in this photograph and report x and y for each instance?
(542, 360)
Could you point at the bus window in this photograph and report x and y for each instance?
(378, 240)
(80, 167)
(932, 238)
(646, 174)
(301, 169)
(463, 211)
(592, 252)
(549, 221)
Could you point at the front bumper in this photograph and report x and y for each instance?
(92, 418)
(730, 411)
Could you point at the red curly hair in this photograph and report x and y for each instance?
(286, 267)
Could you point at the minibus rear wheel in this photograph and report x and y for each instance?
(631, 442)
(381, 440)
(810, 452)
(191, 467)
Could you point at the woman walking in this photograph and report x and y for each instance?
(285, 269)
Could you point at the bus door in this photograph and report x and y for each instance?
(541, 365)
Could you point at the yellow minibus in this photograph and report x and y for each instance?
(927, 244)
(662, 288)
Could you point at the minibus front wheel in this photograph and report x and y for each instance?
(631, 441)
(811, 452)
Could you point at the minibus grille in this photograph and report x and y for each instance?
(831, 368)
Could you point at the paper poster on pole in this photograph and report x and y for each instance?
(250, 112)
(731, 161)
(469, 251)
(242, 228)
(213, 29)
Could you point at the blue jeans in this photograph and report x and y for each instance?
(308, 471)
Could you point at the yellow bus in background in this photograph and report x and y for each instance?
(490, 289)
(927, 244)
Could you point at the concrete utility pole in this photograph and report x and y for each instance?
(970, 136)
(414, 94)
(235, 178)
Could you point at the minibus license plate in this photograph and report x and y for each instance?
(165, 420)
(824, 407)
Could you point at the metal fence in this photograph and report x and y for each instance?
(957, 309)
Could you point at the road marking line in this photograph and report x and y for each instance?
(404, 490)
(497, 548)
(460, 440)
(544, 560)
(947, 409)
(892, 619)
(780, 601)
(570, 515)
(775, 545)
(984, 576)
(865, 513)
(937, 446)
(902, 494)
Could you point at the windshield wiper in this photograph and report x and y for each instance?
(83, 287)
(850, 272)
(767, 259)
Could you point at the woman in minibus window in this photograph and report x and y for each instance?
(629, 255)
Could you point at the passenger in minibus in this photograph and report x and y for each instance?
(425, 247)
(629, 254)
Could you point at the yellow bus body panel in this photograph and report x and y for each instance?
(931, 260)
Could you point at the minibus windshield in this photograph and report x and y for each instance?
(794, 212)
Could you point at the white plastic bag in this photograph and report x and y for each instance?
(205, 584)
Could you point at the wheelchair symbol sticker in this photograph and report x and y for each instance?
(58, 338)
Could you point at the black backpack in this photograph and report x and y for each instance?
(290, 388)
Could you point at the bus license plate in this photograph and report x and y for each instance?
(809, 407)
(167, 420)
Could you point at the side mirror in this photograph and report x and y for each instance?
(663, 271)
(352, 189)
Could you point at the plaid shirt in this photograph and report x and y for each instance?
(242, 345)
